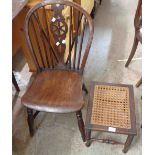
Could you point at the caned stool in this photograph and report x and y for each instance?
(111, 109)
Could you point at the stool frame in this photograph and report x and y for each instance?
(94, 127)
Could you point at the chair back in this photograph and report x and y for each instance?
(59, 35)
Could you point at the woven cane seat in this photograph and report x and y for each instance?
(111, 106)
(111, 109)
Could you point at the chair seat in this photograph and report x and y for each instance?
(55, 91)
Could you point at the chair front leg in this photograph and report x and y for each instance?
(81, 124)
(30, 121)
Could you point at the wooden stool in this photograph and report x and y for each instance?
(111, 109)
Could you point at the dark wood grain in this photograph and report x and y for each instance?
(55, 91)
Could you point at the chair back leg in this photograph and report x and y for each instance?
(30, 121)
(81, 124)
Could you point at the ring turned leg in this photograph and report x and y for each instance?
(88, 137)
(128, 143)
(30, 121)
(134, 47)
(81, 124)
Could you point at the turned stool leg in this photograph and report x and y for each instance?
(30, 121)
(81, 124)
(134, 47)
(88, 137)
(128, 143)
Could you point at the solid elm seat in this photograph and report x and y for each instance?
(111, 109)
(55, 91)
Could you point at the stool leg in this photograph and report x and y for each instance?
(134, 47)
(81, 124)
(30, 121)
(128, 143)
(88, 137)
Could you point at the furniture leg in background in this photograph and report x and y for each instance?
(15, 82)
(94, 8)
(137, 37)
(139, 82)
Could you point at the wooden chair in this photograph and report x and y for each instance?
(57, 86)
(138, 35)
